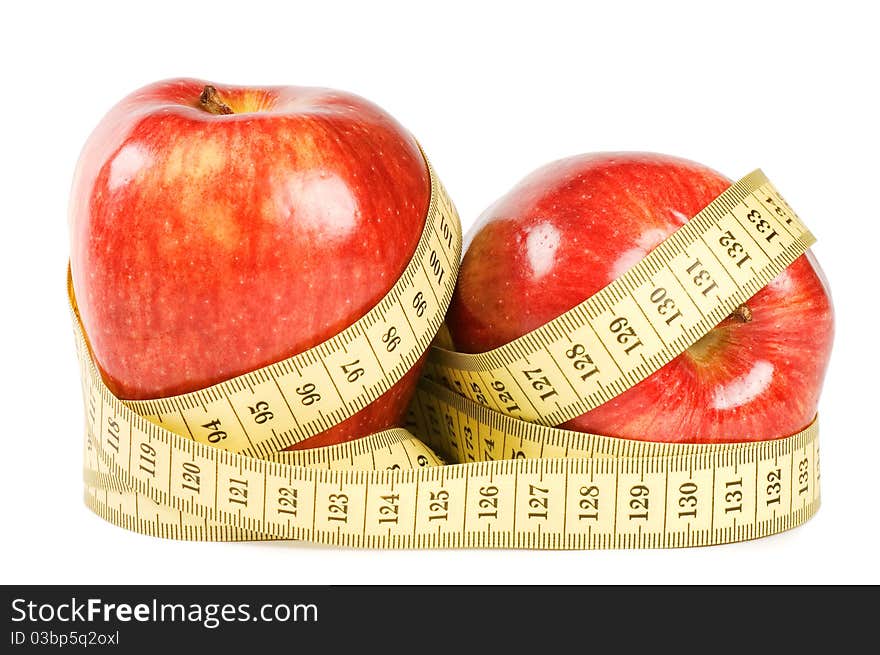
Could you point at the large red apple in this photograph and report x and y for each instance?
(218, 229)
(572, 227)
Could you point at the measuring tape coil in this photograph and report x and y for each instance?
(471, 469)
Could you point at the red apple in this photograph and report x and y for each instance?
(218, 229)
(572, 227)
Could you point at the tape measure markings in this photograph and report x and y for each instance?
(634, 472)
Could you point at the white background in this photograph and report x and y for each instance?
(492, 91)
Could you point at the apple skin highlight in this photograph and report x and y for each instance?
(216, 233)
(573, 226)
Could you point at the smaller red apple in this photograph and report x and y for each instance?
(572, 227)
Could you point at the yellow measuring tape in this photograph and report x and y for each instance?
(207, 465)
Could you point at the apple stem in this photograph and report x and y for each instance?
(210, 101)
(743, 313)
